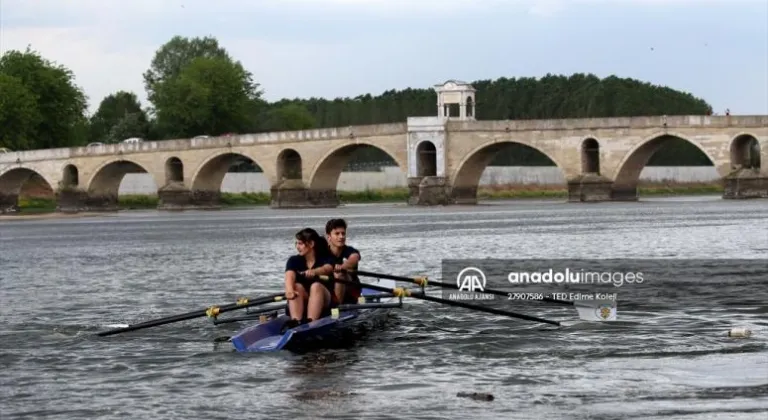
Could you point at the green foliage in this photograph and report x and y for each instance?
(288, 117)
(119, 117)
(678, 152)
(131, 125)
(197, 88)
(245, 199)
(57, 116)
(550, 97)
(171, 58)
(209, 96)
(19, 114)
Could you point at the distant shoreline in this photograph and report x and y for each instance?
(49, 215)
(45, 208)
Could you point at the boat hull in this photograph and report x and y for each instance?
(337, 331)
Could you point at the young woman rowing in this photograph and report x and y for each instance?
(303, 289)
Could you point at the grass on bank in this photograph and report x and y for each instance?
(388, 195)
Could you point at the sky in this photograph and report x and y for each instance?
(716, 50)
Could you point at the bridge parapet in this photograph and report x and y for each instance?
(426, 123)
(239, 140)
(673, 121)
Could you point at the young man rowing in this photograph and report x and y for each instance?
(345, 258)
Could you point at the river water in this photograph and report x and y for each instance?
(667, 356)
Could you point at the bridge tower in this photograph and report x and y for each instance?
(455, 92)
(427, 177)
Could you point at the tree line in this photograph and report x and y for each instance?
(195, 87)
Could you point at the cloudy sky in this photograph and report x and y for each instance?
(717, 50)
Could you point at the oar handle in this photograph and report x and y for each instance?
(423, 281)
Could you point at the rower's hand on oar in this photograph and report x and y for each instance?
(291, 294)
(309, 274)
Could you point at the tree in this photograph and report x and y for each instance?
(170, 62)
(291, 116)
(119, 109)
(60, 104)
(552, 96)
(209, 96)
(174, 56)
(19, 115)
(130, 125)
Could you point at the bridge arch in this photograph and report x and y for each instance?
(14, 180)
(629, 169)
(106, 179)
(466, 177)
(70, 176)
(289, 165)
(325, 175)
(590, 156)
(426, 158)
(174, 170)
(745, 152)
(210, 174)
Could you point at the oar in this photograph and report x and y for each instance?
(397, 292)
(423, 281)
(211, 312)
(600, 310)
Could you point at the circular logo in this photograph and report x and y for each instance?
(471, 279)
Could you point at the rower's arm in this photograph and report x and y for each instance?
(351, 261)
(324, 270)
(291, 268)
(290, 280)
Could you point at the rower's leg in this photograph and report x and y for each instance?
(319, 299)
(296, 306)
(339, 288)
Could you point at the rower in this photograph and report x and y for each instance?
(345, 258)
(303, 288)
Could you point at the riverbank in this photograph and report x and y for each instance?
(49, 214)
(39, 208)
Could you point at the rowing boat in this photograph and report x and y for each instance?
(348, 322)
(344, 326)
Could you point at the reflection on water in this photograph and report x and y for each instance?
(667, 356)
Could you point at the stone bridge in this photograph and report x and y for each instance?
(443, 156)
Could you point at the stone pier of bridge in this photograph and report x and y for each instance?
(443, 156)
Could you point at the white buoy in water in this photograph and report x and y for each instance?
(739, 332)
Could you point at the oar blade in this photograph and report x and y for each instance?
(596, 310)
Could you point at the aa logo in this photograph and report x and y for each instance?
(471, 279)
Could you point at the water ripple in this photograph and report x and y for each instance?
(668, 356)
